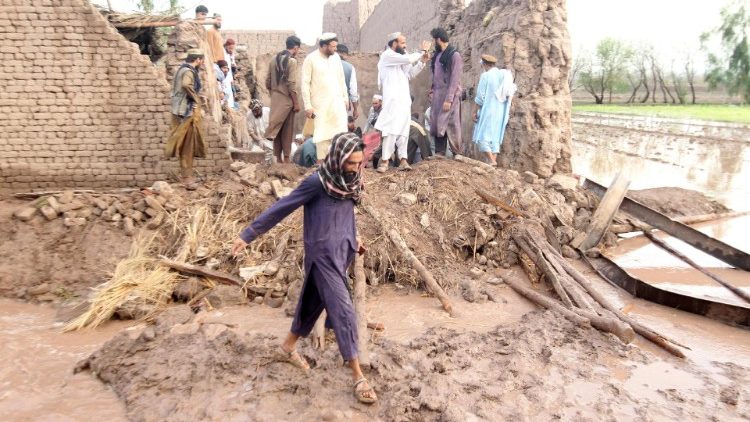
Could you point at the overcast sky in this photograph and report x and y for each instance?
(670, 25)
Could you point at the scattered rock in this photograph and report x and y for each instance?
(67, 197)
(482, 260)
(72, 222)
(478, 170)
(162, 188)
(730, 395)
(137, 216)
(25, 213)
(39, 290)
(407, 199)
(247, 172)
(139, 205)
(153, 204)
(85, 212)
(266, 188)
(425, 220)
(134, 308)
(561, 181)
(495, 281)
(476, 273)
(569, 252)
(152, 212)
(155, 222)
(128, 226)
(471, 292)
(187, 289)
(100, 204)
(52, 202)
(529, 177)
(237, 165)
(274, 302)
(222, 296)
(258, 300)
(48, 212)
(180, 314)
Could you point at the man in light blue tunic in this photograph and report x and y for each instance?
(494, 94)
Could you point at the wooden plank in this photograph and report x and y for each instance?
(604, 214)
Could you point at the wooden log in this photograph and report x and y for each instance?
(359, 296)
(544, 266)
(491, 199)
(473, 162)
(221, 277)
(546, 302)
(620, 329)
(664, 245)
(692, 219)
(603, 215)
(646, 332)
(403, 248)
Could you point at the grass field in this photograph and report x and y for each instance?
(715, 112)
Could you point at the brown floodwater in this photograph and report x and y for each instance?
(36, 378)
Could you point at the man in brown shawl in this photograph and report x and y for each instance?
(186, 138)
(282, 84)
(445, 121)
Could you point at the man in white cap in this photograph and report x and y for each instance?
(372, 116)
(395, 69)
(324, 93)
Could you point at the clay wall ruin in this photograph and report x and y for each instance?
(259, 42)
(346, 18)
(80, 106)
(414, 19)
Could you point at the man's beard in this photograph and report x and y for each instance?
(400, 50)
(350, 176)
(438, 48)
(217, 25)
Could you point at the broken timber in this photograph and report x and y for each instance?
(603, 215)
(687, 234)
(219, 276)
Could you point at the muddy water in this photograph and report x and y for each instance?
(664, 152)
(36, 377)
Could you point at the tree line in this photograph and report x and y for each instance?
(619, 67)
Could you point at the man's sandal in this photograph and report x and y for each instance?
(364, 392)
(294, 359)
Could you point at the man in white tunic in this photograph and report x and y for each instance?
(395, 69)
(324, 93)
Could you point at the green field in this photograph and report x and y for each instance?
(715, 112)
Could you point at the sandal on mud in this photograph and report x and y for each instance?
(364, 394)
(404, 166)
(295, 359)
(382, 169)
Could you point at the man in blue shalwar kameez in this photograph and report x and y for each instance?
(328, 197)
(494, 94)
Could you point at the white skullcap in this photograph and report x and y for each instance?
(327, 36)
(377, 97)
(393, 36)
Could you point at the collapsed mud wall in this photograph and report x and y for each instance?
(80, 106)
(346, 19)
(259, 42)
(414, 20)
(530, 38)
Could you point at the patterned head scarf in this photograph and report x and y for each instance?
(331, 172)
(256, 105)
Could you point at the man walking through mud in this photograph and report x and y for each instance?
(328, 197)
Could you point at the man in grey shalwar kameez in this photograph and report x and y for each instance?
(445, 122)
(328, 197)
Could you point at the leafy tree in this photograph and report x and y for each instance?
(606, 71)
(730, 65)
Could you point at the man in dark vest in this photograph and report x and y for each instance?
(281, 82)
(185, 101)
(445, 121)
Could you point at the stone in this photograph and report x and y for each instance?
(569, 252)
(52, 202)
(100, 204)
(180, 314)
(67, 197)
(266, 188)
(237, 165)
(153, 203)
(495, 281)
(730, 395)
(274, 302)
(134, 307)
(278, 190)
(70, 214)
(152, 212)
(48, 212)
(97, 211)
(39, 290)
(565, 234)
(478, 170)
(561, 181)
(482, 260)
(140, 205)
(73, 222)
(116, 217)
(162, 188)
(222, 296)
(128, 226)
(258, 300)
(424, 220)
(529, 177)
(247, 173)
(187, 289)
(25, 213)
(407, 199)
(137, 216)
(85, 212)
(155, 222)
(476, 273)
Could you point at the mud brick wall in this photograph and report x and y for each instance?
(259, 42)
(79, 106)
(346, 19)
(414, 19)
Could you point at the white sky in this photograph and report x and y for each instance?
(670, 25)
